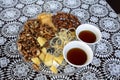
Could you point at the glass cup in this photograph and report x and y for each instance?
(91, 37)
(79, 45)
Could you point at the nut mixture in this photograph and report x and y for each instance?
(27, 42)
(34, 40)
(65, 20)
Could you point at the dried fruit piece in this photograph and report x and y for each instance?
(35, 60)
(42, 56)
(46, 18)
(48, 59)
(41, 41)
(54, 69)
(59, 59)
(44, 50)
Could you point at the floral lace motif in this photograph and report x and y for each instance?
(11, 29)
(72, 3)
(28, 1)
(19, 70)
(103, 49)
(81, 14)
(9, 14)
(8, 3)
(52, 6)
(90, 1)
(109, 24)
(98, 10)
(31, 10)
(116, 40)
(111, 68)
(4, 62)
(2, 40)
(10, 49)
(89, 73)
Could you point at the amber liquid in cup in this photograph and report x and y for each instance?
(77, 56)
(87, 36)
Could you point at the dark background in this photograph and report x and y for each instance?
(115, 4)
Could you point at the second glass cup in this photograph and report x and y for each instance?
(88, 33)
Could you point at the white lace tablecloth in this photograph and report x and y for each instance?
(106, 62)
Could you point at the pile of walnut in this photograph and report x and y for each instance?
(34, 39)
(65, 20)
